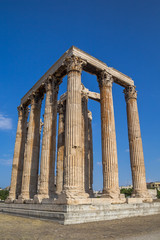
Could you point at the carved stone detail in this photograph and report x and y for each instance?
(130, 92)
(105, 79)
(74, 64)
(49, 84)
(36, 99)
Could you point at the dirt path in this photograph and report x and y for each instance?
(136, 228)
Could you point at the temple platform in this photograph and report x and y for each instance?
(73, 214)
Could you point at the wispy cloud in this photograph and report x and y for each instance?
(6, 162)
(127, 150)
(99, 163)
(5, 122)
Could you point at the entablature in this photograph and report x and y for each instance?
(93, 66)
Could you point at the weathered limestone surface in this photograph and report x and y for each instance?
(46, 187)
(109, 148)
(60, 147)
(135, 144)
(17, 166)
(91, 95)
(85, 142)
(93, 66)
(87, 148)
(31, 156)
(73, 164)
(73, 214)
(90, 153)
(74, 178)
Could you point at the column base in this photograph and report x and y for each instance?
(44, 198)
(19, 200)
(58, 193)
(23, 199)
(113, 194)
(143, 195)
(9, 200)
(91, 194)
(73, 197)
(28, 201)
(39, 197)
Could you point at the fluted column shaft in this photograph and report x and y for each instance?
(109, 147)
(73, 125)
(47, 175)
(135, 144)
(60, 148)
(18, 158)
(90, 153)
(85, 142)
(31, 156)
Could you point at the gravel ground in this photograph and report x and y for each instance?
(135, 228)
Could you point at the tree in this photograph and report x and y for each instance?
(126, 191)
(4, 194)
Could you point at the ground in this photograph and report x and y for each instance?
(135, 228)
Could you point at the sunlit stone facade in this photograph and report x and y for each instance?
(72, 183)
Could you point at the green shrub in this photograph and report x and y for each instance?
(4, 194)
(158, 193)
(126, 191)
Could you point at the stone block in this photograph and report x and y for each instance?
(73, 214)
(134, 200)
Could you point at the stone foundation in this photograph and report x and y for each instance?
(73, 214)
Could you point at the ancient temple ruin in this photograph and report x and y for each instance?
(74, 173)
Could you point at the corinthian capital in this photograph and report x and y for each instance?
(105, 79)
(130, 92)
(52, 83)
(48, 84)
(74, 63)
(23, 111)
(36, 98)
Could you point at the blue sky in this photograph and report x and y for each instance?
(124, 34)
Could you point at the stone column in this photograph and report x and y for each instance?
(90, 153)
(17, 166)
(60, 147)
(47, 175)
(85, 142)
(109, 148)
(73, 164)
(135, 144)
(31, 156)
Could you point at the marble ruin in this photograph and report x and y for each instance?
(74, 172)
